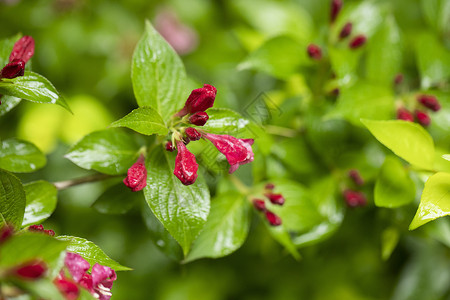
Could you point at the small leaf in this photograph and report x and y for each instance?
(8, 103)
(109, 151)
(435, 200)
(393, 187)
(41, 202)
(406, 139)
(90, 252)
(32, 87)
(389, 240)
(144, 120)
(20, 156)
(28, 246)
(12, 199)
(181, 209)
(226, 228)
(117, 199)
(158, 74)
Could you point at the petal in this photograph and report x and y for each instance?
(76, 265)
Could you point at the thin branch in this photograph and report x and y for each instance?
(61, 185)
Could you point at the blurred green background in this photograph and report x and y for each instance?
(84, 48)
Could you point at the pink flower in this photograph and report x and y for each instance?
(199, 100)
(23, 49)
(136, 178)
(237, 151)
(67, 287)
(185, 165)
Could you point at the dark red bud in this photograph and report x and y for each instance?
(199, 100)
(169, 146)
(356, 177)
(136, 178)
(314, 51)
(23, 49)
(346, 30)
(277, 199)
(40, 228)
(398, 78)
(429, 101)
(6, 232)
(192, 134)
(357, 41)
(33, 270)
(259, 204)
(354, 198)
(185, 165)
(335, 92)
(336, 6)
(273, 219)
(404, 114)
(199, 118)
(67, 287)
(13, 69)
(423, 118)
(49, 232)
(269, 186)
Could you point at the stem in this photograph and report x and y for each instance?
(62, 185)
(239, 185)
(281, 131)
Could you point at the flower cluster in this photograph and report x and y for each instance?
(423, 102)
(260, 205)
(353, 197)
(22, 51)
(236, 151)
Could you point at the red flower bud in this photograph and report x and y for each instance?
(6, 232)
(199, 118)
(346, 30)
(199, 100)
(336, 6)
(277, 199)
(269, 186)
(273, 219)
(33, 270)
(354, 198)
(357, 41)
(185, 165)
(398, 78)
(169, 146)
(356, 177)
(404, 114)
(13, 69)
(192, 134)
(136, 178)
(23, 49)
(314, 51)
(40, 228)
(422, 118)
(259, 204)
(429, 101)
(67, 287)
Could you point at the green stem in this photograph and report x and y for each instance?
(281, 131)
(241, 187)
(62, 185)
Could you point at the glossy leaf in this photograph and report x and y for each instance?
(406, 139)
(227, 121)
(90, 252)
(158, 75)
(117, 199)
(28, 246)
(41, 202)
(32, 87)
(144, 120)
(393, 187)
(435, 200)
(12, 199)
(20, 156)
(181, 209)
(109, 151)
(226, 228)
(8, 103)
(281, 235)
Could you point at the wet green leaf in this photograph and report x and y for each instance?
(8, 103)
(117, 199)
(144, 120)
(41, 202)
(20, 156)
(12, 199)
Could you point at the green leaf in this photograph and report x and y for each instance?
(389, 240)
(20, 156)
(12, 199)
(41, 289)
(435, 200)
(364, 100)
(28, 246)
(280, 57)
(32, 87)
(117, 199)
(109, 151)
(393, 187)
(226, 228)
(406, 139)
(144, 120)
(281, 235)
(344, 62)
(90, 252)
(8, 103)
(227, 121)
(181, 209)
(158, 74)
(41, 202)
(446, 157)
(384, 59)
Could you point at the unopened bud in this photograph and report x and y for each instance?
(40, 228)
(346, 30)
(192, 134)
(185, 165)
(336, 6)
(6, 232)
(136, 178)
(23, 49)
(423, 118)
(199, 100)
(13, 69)
(269, 186)
(429, 101)
(277, 199)
(404, 114)
(357, 41)
(169, 146)
(398, 78)
(259, 204)
(354, 198)
(199, 118)
(314, 51)
(34, 270)
(273, 219)
(356, 177)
